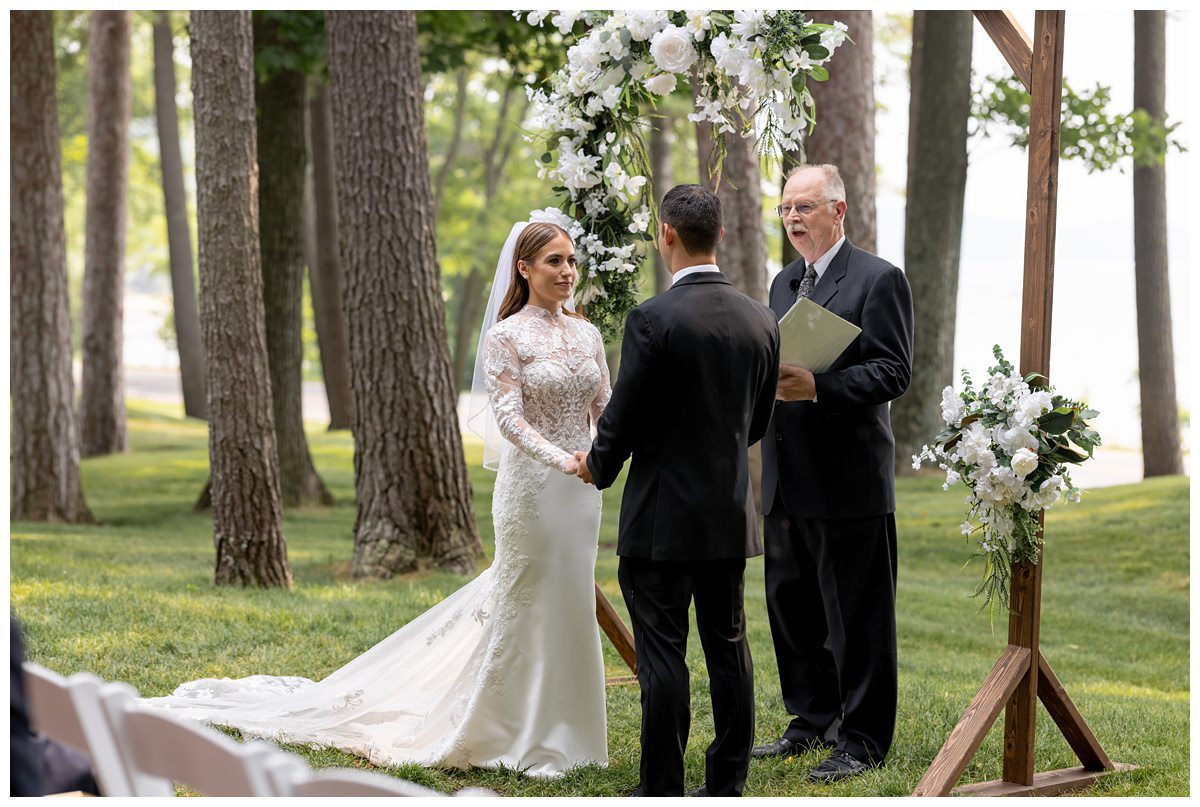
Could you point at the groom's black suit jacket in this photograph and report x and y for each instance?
(834, 457)
(695, 389)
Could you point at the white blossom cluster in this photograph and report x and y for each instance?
(640, 55)
(992, 443)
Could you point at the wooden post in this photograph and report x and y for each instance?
(618, 634)
(1022, 675)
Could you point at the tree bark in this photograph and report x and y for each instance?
(845, 133)
(45, 447)
(179, 238)
(247, 512)
(742, 253)
(1156, 353)
(325, 268)
(660, 166)
(110, 97)
(410, 475)
(281, 164)
(933, 218)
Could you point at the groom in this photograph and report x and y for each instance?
(696, 388)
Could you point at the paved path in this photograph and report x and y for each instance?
(1109, 467)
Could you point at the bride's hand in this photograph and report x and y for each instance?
(572, 467)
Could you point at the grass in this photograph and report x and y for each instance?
(132, 599)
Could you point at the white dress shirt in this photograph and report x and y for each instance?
(694, 270)
(822, 263)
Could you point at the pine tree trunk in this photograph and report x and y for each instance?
(742, 253)
(110, 95)
(281, 164)
(247, 512)
(325, 268)
(664, 180)
(179, 239)
(410, 476)
(470, 300)
(933, 217)
(44, 459)
(1156, 353)
(845, 133)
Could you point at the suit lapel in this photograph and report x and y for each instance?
(828, 285)
(784, 298)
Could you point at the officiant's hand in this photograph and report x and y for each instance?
(583, 471)
(795, 384)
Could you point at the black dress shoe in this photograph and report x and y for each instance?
(783, 747)
(700, 791)
(840, 765)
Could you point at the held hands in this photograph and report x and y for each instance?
(795, 384)
(581, 469)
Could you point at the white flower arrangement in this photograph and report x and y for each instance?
(1009, 444)
(747, 66)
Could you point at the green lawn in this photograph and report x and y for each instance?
(132, 599)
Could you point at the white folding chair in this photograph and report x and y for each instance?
(161, 749)
(67, 710)
(351, 782)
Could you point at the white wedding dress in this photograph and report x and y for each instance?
(508, 669)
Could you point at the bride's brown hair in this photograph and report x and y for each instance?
(530, 242)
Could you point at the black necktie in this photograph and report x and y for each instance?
(806, 284)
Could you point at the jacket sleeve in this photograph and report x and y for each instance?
(615, 429)
(885, 349)
(764, 405)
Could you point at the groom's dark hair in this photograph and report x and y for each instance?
(695, 214)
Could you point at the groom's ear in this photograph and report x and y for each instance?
(720, 235)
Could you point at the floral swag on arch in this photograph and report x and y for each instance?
(749, 70)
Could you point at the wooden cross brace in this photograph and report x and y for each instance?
(1022, 675)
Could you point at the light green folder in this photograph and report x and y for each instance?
(812, 337)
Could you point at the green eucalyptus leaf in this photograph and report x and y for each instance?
(818, 73)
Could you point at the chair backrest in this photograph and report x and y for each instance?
(202, 758)
(350, 782)
(68, 710)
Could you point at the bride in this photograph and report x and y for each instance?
(508, 669)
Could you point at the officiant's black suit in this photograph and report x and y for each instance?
(696, 387)
(828, 495)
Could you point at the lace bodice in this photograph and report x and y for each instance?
(546, 376)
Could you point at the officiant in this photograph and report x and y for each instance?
(828, 492)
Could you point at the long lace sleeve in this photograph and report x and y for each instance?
(503, 369)
(605, 391)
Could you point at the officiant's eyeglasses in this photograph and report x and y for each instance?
(803, 208)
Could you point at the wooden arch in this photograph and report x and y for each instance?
(1022, 675)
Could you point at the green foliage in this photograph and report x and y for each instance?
(1091, 132)
(449, 39)
(293, 41)
(131, 599)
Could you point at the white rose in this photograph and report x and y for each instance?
(952, 406)
(698, 23)
(662, 84)
(672, 49)
(1024, 462)
(1014, 439)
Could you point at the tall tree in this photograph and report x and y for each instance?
(45, 449)
(939, 106)
(742, 253)
(324, 263)
(179, 238)
(845, 132)
(1156, 354)
(247, 511)
(409, 472)
(660, 166)
(110, 93)
(279, 93)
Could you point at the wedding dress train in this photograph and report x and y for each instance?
(507, 670)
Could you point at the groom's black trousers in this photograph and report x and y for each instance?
(831, 599)
(658, 594)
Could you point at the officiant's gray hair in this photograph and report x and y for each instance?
(835, 188)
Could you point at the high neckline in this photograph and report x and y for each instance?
(543, 312)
